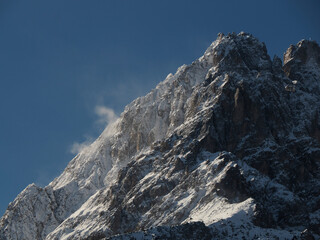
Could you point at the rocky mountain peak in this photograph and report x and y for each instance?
(242, 51)
(304, 51)
(231, 140)
(302, 62)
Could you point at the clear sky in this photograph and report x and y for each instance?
(61, 59)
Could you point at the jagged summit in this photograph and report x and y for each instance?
(231, 140)
(305, 51)
(242, 51)
(302, 63)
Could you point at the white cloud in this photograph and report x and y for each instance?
(106, 116)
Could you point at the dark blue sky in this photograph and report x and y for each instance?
(60, 59)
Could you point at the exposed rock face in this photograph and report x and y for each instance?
(195, 230)
(232, 140)
(301, 58)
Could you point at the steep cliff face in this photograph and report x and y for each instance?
(231, 140)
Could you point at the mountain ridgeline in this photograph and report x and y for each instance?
(226, 148)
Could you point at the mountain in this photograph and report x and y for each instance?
(226, 148)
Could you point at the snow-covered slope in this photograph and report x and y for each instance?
(231, 140)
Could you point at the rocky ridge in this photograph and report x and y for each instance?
(232, 140)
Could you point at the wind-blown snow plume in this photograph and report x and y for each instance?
(77, 147)
(106, 118)
(106, 115)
